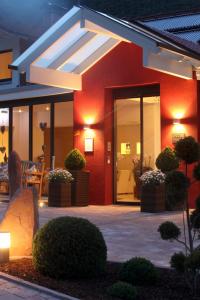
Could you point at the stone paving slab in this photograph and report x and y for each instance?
(15, 288)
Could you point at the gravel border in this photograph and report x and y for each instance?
(36, 287)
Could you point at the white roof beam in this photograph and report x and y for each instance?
(71, 50)
(48, 38)
(54, 78)
(118, 28)
(92, 27)
(96, 56)
(167, 65)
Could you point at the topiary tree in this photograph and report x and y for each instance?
(69, 247)
(75, 160)
(167, 160)
(177, 185)
(138, 271)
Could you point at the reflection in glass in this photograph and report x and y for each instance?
(21, 131)
(4, 123)
(41, 133)
(63, 131)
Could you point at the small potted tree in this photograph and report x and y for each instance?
(75, 162)
(59, 188)
(152, 192)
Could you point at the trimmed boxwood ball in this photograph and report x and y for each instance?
(138, 271)
(75, 160)
(69, 247)
(167, 160)
(122, 290)
(192, 262)
(188, 150)
(178, 262)
(169, 231)
(176, 185)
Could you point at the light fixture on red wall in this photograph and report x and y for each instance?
(176, 121)
(88, 138)
(178, 131)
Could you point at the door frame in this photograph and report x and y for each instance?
(140, 91)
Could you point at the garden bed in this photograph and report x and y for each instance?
(171, 285)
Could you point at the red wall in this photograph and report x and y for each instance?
(120, 68)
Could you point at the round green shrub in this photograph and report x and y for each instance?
(176, 185)
(122, 290)
(75, 160)
(167, 160)
(169, 231)
(188, 150)
(196, 172)
(69, 247)
(138, 271)
(192, 261)
(178, 262)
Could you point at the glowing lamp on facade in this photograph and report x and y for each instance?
(4, 246)
(178, 131)
(4, 117)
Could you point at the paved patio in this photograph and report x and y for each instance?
(127, 232)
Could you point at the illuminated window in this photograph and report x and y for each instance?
(5, 60)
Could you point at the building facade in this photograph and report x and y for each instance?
(118, 91)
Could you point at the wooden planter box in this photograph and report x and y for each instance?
(80, 188)
(59, 194)
(153, 198)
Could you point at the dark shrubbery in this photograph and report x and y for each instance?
(192, 262)
(188, 150)
(122, 290)
(69, 247)
(138, 271)
(169, 231)
(167, 160)
(75, 160)
(176, 185)
(196, 172)
(178, 262)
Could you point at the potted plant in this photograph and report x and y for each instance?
(152, 192)
(167, 161)
(59, 188)
(75, 162)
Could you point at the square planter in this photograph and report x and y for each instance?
(80, 188)
(59, 194)
(153, 198)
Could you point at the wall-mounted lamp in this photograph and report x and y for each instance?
(178, 131)
(86, 127)
(176, 121)
(88, 138)
(4, 247)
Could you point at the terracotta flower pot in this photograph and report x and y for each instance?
(59, 194)
(153, 198)
(80, 187)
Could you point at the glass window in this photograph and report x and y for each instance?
(5, 60)
(4, 123)
(63, 131)
(152, 139)
(21, 131)
(128, 148)
(41, 133)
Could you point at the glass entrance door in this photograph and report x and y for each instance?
(137, 144)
